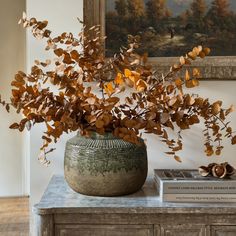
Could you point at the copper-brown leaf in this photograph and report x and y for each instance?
(207, 51)
(99, 123)
(233, 140)
(177, 158)
(59, 52)
(14, 126)
(187, 75)
(164, 117)
(216, 108)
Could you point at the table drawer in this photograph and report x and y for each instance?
(223, 230)
(104, 230)
(183, 230)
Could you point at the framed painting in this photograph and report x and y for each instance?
(170, 28)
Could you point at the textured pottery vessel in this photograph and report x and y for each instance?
(103, 165)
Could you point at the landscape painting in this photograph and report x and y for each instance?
(170, 28)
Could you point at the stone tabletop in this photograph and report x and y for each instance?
(60, 198)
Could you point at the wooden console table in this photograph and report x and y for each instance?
(62, 212)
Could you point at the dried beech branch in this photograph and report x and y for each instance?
(155, 104)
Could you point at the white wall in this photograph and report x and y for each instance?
(13, 145)
(63, 18)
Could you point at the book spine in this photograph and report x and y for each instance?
(200, 187)
(199, 198)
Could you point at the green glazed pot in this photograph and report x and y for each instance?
(103, 165)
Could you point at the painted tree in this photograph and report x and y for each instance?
(220, 17)
(157, 10)
(220, 8)
(186, 15)
(121, 7)
(136, 8)
(198, 8)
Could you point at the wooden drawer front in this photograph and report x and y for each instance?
(180, 230)
(224, 230)
(104, 230)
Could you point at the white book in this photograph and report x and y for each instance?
(190, 182)
(226, 198)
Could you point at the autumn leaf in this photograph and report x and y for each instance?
(119, 80)
(170, 153)
(127, 73)
(19, 78)
(189, 100)
(192, 55)
(187, 76)
(59, 52)
(178, 82)
(209, 151)
(74, 54)
(182, 60)
(113, 100)
(195, 82)
(99, 123)
(47, 138)
(229, 110)
(197, 50)
(202, 54)
(172, 101)
(7, 107)
(14, 126)
(194, 119)
(106, 119)
(49, 129)
(207, 51)
(141, 85)
(218, 152)
(90, 100)
(109, 89)
(177, 158)
(164, 117)
(233, 140)
(129, 100)
(216, 108)
(191, 83)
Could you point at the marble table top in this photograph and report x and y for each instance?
(60, 198)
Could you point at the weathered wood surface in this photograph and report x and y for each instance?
(44, 225)
(186, 230)
(62, 211)
(101, 230)
(223, 230)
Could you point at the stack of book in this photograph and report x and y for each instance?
(190, 186)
